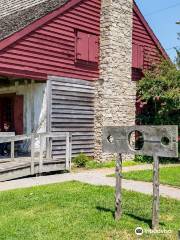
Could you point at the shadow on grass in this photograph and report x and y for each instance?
(145, 220)
(138, 218)
(103, 209)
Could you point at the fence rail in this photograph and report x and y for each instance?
(44, 139)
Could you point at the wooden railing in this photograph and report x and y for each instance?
(43, 138)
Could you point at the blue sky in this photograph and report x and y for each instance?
(162, 21)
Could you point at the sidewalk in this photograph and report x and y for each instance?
(94, 177)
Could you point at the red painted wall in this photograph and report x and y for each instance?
(50, 50)
(151, 52)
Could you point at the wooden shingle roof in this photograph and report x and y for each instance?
(17, 14)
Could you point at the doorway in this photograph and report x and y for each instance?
(11, 111)
(6, 110)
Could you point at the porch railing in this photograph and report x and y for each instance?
(44, 138)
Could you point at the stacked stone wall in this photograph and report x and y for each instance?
(115, 91)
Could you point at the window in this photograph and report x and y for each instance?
(137, 56)
(87, 47)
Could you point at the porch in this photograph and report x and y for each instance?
(40, 160)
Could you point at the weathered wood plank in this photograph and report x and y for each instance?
(73, 111)
(12, 150)
(32, 154)
(69, 111)
(72, 130)
(118, 193)
(71, 80)
(71, 85)
(68, 102)
(156, 197)
(67, 147)
(72, 90)
(75, 120)
(73, 107)
(72, 98)
(73, 116)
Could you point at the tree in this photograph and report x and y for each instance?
(159, 95)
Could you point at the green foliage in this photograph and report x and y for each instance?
(81, 160)
(159, 92)
(147, 159)
(143, 159)
(159, 97)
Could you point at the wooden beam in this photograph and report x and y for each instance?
(32, 106)
(118, 190)
(32, 154)
(156, 198)
(41, 138)
(12, 150)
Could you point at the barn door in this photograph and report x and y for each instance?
(18, 114)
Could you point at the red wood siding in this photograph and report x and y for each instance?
(143, 38)
(50, 49)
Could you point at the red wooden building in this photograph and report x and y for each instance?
(49, 59)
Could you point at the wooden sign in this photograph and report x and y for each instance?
(156, 141)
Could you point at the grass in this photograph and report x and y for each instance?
(80, 211)
(110, 164)
(168, 175)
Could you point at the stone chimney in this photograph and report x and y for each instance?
(115, 90)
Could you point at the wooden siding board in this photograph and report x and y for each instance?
(50, 48)
(72, 116)
(151, 51)
(47, 47)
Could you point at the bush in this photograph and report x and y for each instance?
(143, 159)
(81, 160)
(162, 160)
(158, 99)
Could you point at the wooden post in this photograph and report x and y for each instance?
(156, 198)
(49, 148)
(70, 151)
(32, 106)
(41, 153)
(118, 194)
(12, 150)
(32, 154)
(67, 151)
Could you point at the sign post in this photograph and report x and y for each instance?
(118, 193)
(156, 196)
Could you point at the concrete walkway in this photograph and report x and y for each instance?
(94, 177)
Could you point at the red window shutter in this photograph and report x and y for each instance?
(82, 46)
(18, 114)
(137, 56)
(93, 48)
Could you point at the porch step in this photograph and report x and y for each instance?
(21, 168)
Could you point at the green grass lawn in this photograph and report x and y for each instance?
(73, 211)
(168, 175)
